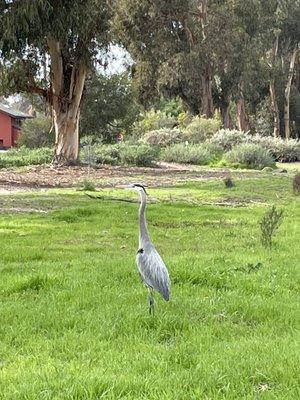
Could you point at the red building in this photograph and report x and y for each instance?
(10, 126)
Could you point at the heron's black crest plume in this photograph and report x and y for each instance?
(141, 186)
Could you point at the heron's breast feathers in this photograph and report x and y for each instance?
(153, 271)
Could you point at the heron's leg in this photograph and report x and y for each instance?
(151, 302)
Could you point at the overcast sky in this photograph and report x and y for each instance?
(118, 60)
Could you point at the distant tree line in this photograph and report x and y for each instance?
(238, 58)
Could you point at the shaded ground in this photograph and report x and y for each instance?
(107, 176)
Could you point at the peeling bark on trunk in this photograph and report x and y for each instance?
(225, 112)
(275, 109)
(242, 118)
(287, 94)
(207, 108)
(67, 83)
(66, 138)
(272, 88)
(203, 16)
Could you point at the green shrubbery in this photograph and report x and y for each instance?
(249, 155)
(201, 154)
(228, 138)
(125, 154)
(36, 133)
(162, 137)
(194, 140)
(24, 156)
(201, 129)
(151, 121)
(280, 149)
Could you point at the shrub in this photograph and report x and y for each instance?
(201, 154)
(24, 156)
(281, 150)
(36, 133)
(269, 224)
(153, 120)
(162, 137)
(296, 184)
(201, 129)
(249, 155)
(87, 185)
(88, 150)
(228, 138)
(140, 155)
(286, 151)
(107, 154)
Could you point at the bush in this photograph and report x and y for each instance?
(24, 156)
(153, 120)
(36, 133)
(281, 150)
(87, 185)
(201, 154)
(269, 225)
(162, 137)
(286, 151)
(249, 155)
(108, 154)
(228, 138)
(201, 129)
(140, 155)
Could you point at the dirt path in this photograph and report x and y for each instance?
(37, 177)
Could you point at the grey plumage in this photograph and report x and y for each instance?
(151, 267)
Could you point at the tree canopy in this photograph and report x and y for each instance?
(48, 47)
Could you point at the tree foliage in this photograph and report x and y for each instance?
(213, 54)
(109, 106)
(48, 47)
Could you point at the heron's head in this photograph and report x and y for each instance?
(137, 187)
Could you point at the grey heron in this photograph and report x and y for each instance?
(151, 267)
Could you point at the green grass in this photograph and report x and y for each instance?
(74, 315)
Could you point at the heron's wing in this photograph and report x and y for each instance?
(153, 271)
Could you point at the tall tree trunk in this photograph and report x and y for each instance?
(225, 112)
(207, 108)
(202, 8)
(272, 88)
(242, 118)
(67, 83)
(287, 93)
(275, 109)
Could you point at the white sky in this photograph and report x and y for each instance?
(118, 60)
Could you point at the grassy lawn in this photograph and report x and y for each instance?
(74, 315)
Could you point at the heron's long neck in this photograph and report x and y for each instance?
(144, 234)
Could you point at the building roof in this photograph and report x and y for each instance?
(13, 112)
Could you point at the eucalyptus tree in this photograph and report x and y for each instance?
(289, 42)
(47, 47)
(195, 49)
(109, 106)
